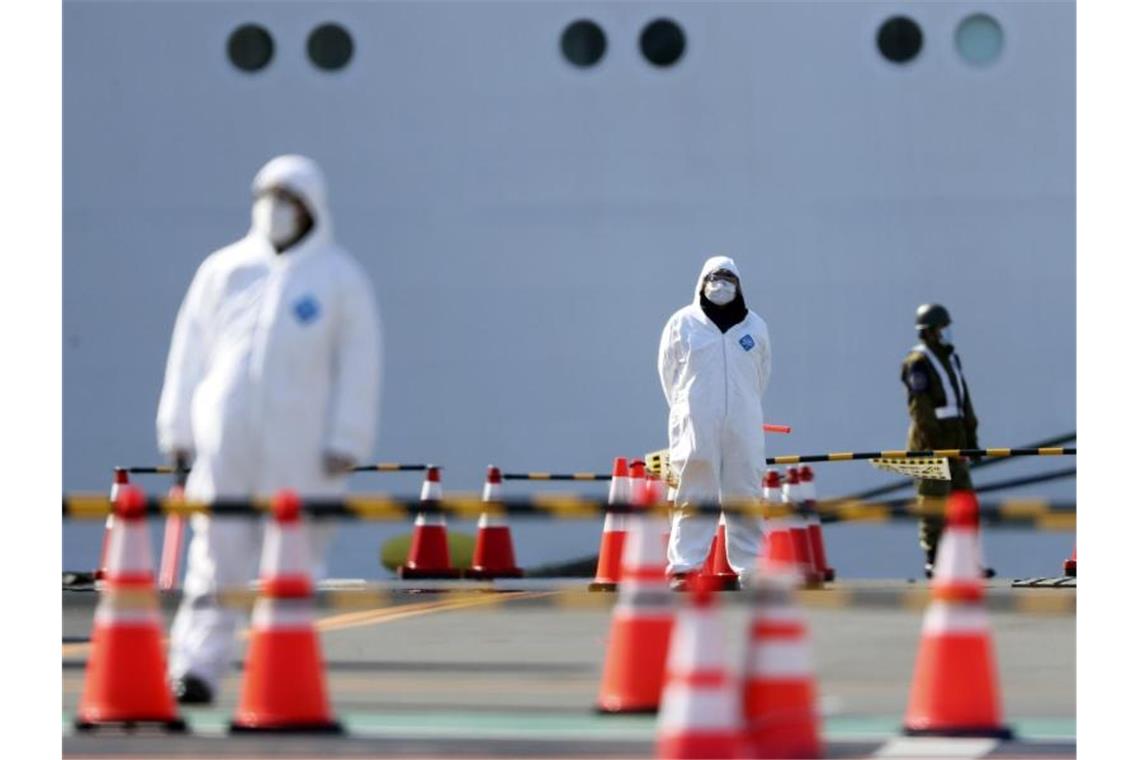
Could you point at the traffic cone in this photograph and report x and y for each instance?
(429, 556)
(613, 531)
(779, 551)
(780, 718)
(716, 567)
(125, 686)
(801, 544)
(634, 671)
(700, 709)
(121, 479)
(1070, 565)
(955, 688)
(494, 555)
(283, 689)
(815, 527)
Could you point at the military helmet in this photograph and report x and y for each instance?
(931, 315)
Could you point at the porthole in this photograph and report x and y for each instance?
(662, 42)
(330, 47)
(979, 39)
(250, 47)
(900, 39)
(583, 43)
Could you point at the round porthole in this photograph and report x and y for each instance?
(330, 47)
(900, 39)
(979, 39)
(583, 43)
(662, 42)
(250, 47)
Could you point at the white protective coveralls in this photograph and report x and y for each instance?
(275, 360)
(714, 382)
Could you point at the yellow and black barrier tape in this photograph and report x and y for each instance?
(908, 597)
(1039, 514)
(847, 456)
(164, 469)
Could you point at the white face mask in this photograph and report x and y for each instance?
(947, 336)
(720, 292)
(276, 219)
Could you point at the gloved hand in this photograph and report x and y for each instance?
(180, 461)
(337, 464)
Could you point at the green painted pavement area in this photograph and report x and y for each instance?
(506, 725)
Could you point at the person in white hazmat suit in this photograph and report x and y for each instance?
(272, 382)
(714, 362)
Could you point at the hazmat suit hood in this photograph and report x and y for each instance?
(713, 264)
(731, 313)
(302, 177)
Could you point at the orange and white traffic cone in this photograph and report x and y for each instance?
(634, 671)
(814, 526)
(779, 551)
(799, 528)
(494, 555)
(125, 686)
(1070, 565)
(716, 566)
(613, 531)
(780, 718)
(121, 479)
(283, 689)
(955, 688)
(700, 709)
(429, 555)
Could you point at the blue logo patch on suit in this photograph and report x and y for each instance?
(747, 343)
(306, 309)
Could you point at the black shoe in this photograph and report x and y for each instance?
(929, 569)
(988, 572)
(680, 582)
(192, 690)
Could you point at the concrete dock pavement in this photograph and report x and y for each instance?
(515, 674)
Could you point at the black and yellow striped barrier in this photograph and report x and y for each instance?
(848, 456)
(1042, 515)
(378, 467)
(654, 460)
(1002, 599)
(556, 476)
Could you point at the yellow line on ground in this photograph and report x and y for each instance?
(385, 614)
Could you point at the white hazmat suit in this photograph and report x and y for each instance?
(274, 363)
(714, 382)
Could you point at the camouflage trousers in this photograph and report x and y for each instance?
(932, 494)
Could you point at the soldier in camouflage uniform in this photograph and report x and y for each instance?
(941, 414)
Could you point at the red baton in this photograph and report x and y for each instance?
(777, 428)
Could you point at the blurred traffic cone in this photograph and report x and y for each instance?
(634, 670)
(799, 529)
(283, 689)
(125, 685)
(780, 719)
(716, 566)
(779, 551)
(700, 709)
(171, 544)
(955, 688)
(814, 526)
(494, 555)
(117, 484)
(613, 531)
(1071, 563)
(429, 555)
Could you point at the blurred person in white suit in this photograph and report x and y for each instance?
(714, 362)
(272, 382)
